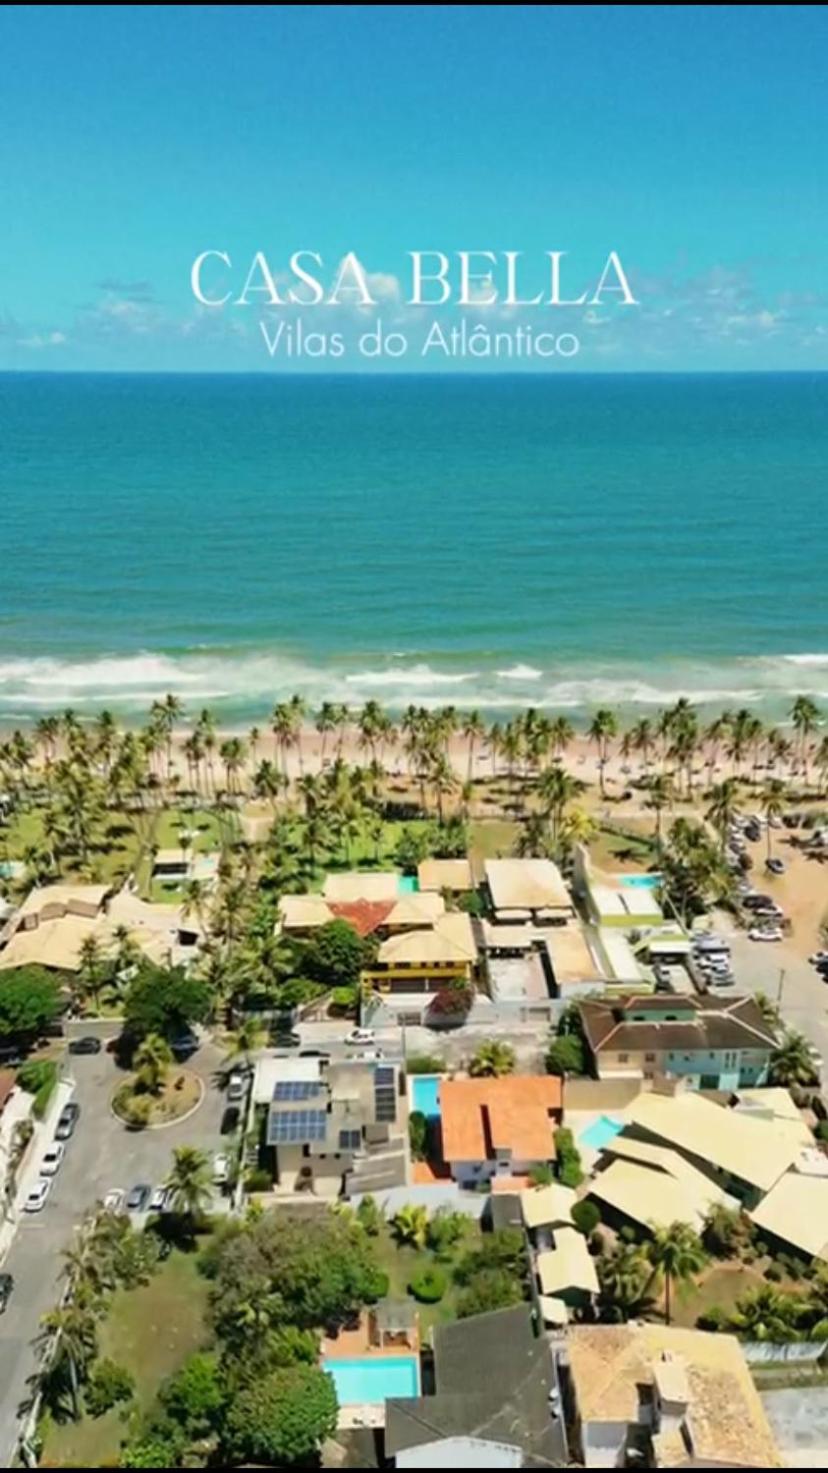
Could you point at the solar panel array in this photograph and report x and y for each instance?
(294, 1127)
(385, 1095)
(297, 1089)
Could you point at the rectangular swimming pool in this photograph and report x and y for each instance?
(425, 1094)
(370, 1379)
(640, 882)
(408, 885)
(600, 1132)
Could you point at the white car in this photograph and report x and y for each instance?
(236, 1085)
(158, 1200)
(114, 1200)
(361, 1035)
(771, 934)
(221, 1168)
(37, 1196)
(50, 1165)
(819, 959)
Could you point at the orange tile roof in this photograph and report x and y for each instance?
(364, 915)
(480, 1116)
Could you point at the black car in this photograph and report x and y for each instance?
(69, 1116)
(139, 1198)
(87, 1045)
(6, 1286)
(313, 1053)
(285, 1040)
(230, 1120)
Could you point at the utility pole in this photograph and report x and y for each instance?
(779, 988)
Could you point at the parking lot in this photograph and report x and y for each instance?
(100, 1156)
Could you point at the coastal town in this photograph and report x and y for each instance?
(406, 1089)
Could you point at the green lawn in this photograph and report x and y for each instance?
(618, 852)
(403, 1263)
(150, 1331)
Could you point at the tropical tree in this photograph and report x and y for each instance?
(153, 1058)
(624, 1276)
(659, 797)
(69, 1343)
(805, 716)
(772, 803)
(409, 1225)
(602, 729)
(767, 1314)
(677, 1253)
(722, 808)
(492, 1059)
(791, 1061)
(188, 1183)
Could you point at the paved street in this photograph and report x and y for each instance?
(454, 1045)
(775, 969)
(799, 1418)
(100, 1155)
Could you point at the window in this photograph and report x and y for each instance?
(623, 1058)
(649, 1058)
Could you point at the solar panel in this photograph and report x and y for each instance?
(297, 1089)
(385, 1094)
(349, 1140)
(384, 1074)
(295, 1127)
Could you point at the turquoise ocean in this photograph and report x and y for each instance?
(560, 541)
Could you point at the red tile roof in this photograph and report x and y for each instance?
(518, 1114)
(364, 915)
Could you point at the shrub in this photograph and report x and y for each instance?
(108, 1384)
(586, 1217)
(597, 1243)
(774, 1274)
(714, 1318)
(343, 1000)
(570, 1172)
(377, 1284)
(566, 1055)
(418, 1134)
(471, 902)
(541, 1176)
(369, 1216)
(258, 1180)
(133, 1109)
(822, 1130)
(429, 1286)
(424, 1064)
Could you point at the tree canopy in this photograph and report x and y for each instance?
(164, 1001)
(282, 1418)
(29, 1002)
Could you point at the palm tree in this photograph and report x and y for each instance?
(791, 1062)
(772, 803)
(152, 1061)
(767, 1314)
(91, 968)
(556, 789)
(677, 1253)
(722, 808)
(603, 728)
(659, 797)
(246, 1039)
(804, 715)
(492, 1059)
(410, 1225)
(474, 729)
(188, 1183)
(69, 1338)
(769, 1010)
(624, 1276)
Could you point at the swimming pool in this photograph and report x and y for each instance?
(425, 1094)
(408, 884)
(640, 882)
(600, 1132)
(370, 1379)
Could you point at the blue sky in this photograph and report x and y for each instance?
(691, 139)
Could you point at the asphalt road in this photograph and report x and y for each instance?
(101, 1155)
(775, 969)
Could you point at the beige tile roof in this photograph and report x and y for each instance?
(445, 874)
(569, 1265)
(302, 912)
(664, 1159)
(450, 939)
(796, 1210)
(527, 884)
(362, 885)
(651, 1198)
(542, 1206)
(753, 1150)
(61, 895)
(726, 1420)
(416, 909)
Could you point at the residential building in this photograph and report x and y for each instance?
(563, 1270)
(527, 890)
(658, 1397)
(496, 1402)
(333, 1127)
(794, 1214)
(50, 927)
(414, 965)
(499, 1127)
(453, 875)
(710, 1042)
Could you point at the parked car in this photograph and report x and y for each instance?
(237, 1085)
(818, 959)
(313, 1053)
(158, 1200)
(139, 1197)
(184, 1044)
(221, 1168)
(53, 1157)
(36, 1198)
(760, 933)
(775, 866)
(85, 1045)
(230, 1120)
(285, 1040)
(6, 1287)
(114, 1200)
(69, 1116)
(360, 1035)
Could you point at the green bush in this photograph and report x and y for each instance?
(774, 1274)
(424, 1064)
(714, 1318)
(570, 1171)
(822, 1130)
(429, 1286)
(586, 1217)
(566, 1055)
(108, 1384)
(258, 1180)
(343, 1000)
(377, 1285)
(418, 1134)
(471, 902)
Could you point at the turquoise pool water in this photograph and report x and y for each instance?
(371, 1379)
(640, 882)
(408, 884)
(425, 1093)
(600, 1132)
